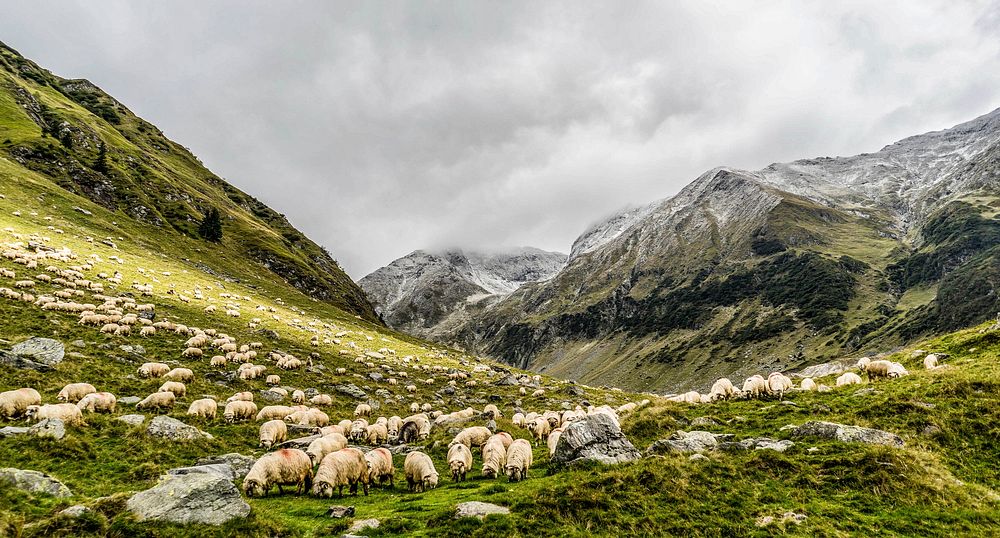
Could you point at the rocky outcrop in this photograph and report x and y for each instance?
(207, 498)
(174, 430)
(479, 509)
(41, 350)
(34, 482)
(846, 433)
(594, 438)
(52, 428)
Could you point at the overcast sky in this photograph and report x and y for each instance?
(379, 128)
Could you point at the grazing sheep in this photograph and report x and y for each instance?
(808, 384)
(321, 399)
(849, 378)
(518, 460)
(283, 467)
(411, 388)
(98, 402)
(540, 429)
(931, 361)
(538, 393)
(217, 361)
(74, 392)
(153, 369)
(494, 457)
(377, 434)
(203, 408)
(553, 440)
(274, 380)
(518, 419)
(14, 403)
(331, 442)
(474, 437)
(755, 387)
(459, 461)
(420, 472)
(239, 411)
(897, 370)
(778, 383)
(157, 400)
(67, 412)
(271, 412)
(178, 388)
(192, 352)
(308, 417)
(363, 410)
(491, 411)
(244, 396)
(147, 331)
(393, 426)
(380, 466)
(722, 389)
(345, 467)
(184, 375)
(273, 432)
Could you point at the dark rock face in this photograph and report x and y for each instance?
(594, 438)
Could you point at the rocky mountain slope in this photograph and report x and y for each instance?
(427, 294)
(793, 264)
(90, 144)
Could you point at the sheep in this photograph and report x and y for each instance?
(244, 396)
(494, 457)
(931, 361)
(778, 383)
(271, 412)
(274, 380)
(459, 461)
(74, 392)
(518, 419)
(98, 402)
(553, 440)
(308, 417)
(67, 412)
(273, 432)
(321, 399)
(722, 389)
(518, 460)
(153, 369)
(217, 361)
(755, 387)
(319, 448)
(540, 429)
(239, 411)
(897, 370)
(184, 375)
(420, 472)
(808, 384)
(393, 426)
(203, 408)
(377, 434)
(178, 388)
(363, 410)
(345, 467)
(157, 400)
(14, 403)
(283, 467)
(474, 437)
(380, 466)
(492, 412)
(192, 352)
(849, 378)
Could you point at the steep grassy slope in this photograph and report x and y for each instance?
(60, 128)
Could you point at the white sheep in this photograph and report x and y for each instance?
(271, 412)
(848, 378)
(380, 466)
(274, 380)
(67, 412)
(321, 399)
(184, 375)
(153, 369)
(245, 396)
(14, 403)
(420, 472)
(808, 384)
(273, 432)
(98, 402)
(239, 411)
(518, 460)
(474, 437)
(377, 434)
(722, 389)
(203, 408)
(755, 387)
(345, 467)
(363, 410)
(74, 392)
(778, 383)
(283, 467)
(931, 361)
(459, 461)
(319, 448)
(494, 457)
(178, 388)
(157, 400)
(553, 440)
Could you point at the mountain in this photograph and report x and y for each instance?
(426, 294)
(794, 264)
(90, 144)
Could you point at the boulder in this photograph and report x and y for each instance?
(206, 498)
(300, 443)
(41, 350)
(220, 469)
(270, 396)
(238, 464)
(364, 524)
(827, 368)
(129, 400)
(50, 427)
(594, 438)
(174, 430)
(574, 390)
(703, 422)
(340, 512)
(479, 509)
(34, 482)
(75, 511)
(375, 376)
(302, 429)
(846, 433)
(757, 443)
(21, 363)
(681, 441)
(10, 431)
(351, 390)
(132, 420)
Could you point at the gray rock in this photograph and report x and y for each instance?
(364, 524)
(340, 512)
(301, 443)
(930, 430)
(375, 376)
(50, 427)
(270, 396)
(681, 441)
(132, 420)
(574, 390)
(827, 368)
(129, 400)
(846, 434)
(301, 430)
(42, 350)
(594, 438)
(221, 469)
(75, 511)
(174, 430)
(10, 431)
(703, 422)
(239, 464)
(351, 390)
(78, 343)
(206, 498)
(479, 509)
(757, 443)
(509, 380)
(867, 391)
(34, 482)
(133, 349)
(697, 457)
(22, 363)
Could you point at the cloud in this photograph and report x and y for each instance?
(384, 127)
